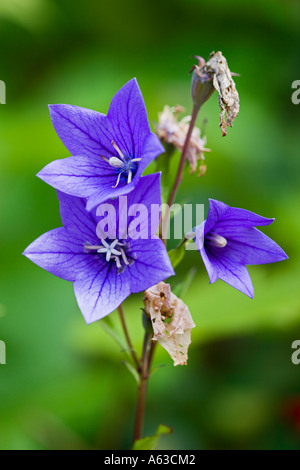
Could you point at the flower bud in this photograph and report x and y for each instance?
(202, 83)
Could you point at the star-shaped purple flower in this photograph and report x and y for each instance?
(228, 241)
(109, 153)
(104, 271)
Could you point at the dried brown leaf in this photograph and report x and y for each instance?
(225, 86)
(171, 320)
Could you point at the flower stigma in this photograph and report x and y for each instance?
(215, 239)
(112, 251)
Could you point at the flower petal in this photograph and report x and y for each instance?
(78, 176)
(234, 274)
(215, 211)
(85, 178)
(147, 193)
(241, 218)
(250, 246)
(152, 264)
(152, 148)
(61, 252)
(82, 131)
(76, 218)
(222, 216)
(128, 115)
(99, 292)
(105, 192)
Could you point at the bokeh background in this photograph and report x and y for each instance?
(64, 385)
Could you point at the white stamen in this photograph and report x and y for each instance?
(118, 180)
(91, 247)
(129, 176)
(117, 260)
(124, 257)
(136, 159)
(117, 149)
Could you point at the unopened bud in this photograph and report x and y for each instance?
(202, 83)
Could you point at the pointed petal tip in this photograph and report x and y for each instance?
(251, 296)
(40, 174)
(53, 107)
(284, 256)
(133, 81)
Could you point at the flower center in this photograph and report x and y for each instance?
(215, 239)
(115, 251)
(125, 166)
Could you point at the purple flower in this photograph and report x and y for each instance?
(104, 271)
(109, 152)
(228, 241)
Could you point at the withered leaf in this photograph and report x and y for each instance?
(225, 86)
(171, 320)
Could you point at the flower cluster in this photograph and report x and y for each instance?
(109, 154)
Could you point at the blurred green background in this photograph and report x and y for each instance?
(64, 385)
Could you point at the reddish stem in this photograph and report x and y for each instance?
(148, 350)
(183, 156)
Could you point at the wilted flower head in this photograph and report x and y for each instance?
(171, 321)
(228, 241)
(215, 75)
(104, 270)
(172, 131)
(109, 152)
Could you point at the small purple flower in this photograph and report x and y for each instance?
(109, 152)
(228, 241)
(104, 271)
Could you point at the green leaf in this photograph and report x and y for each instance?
(177, 255)
(151, 442)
